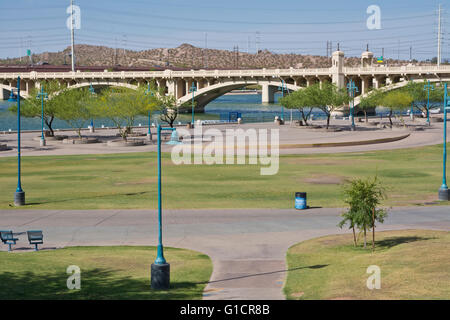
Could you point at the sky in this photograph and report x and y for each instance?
(290, 26)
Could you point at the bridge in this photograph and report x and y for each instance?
(214, 83)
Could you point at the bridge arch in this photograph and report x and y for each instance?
(207, 94)
(6, 91)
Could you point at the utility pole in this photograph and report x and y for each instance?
(257, 41)
(410, 54)
(439, 38)
(206, 50)
(248, 45)
(72, 34)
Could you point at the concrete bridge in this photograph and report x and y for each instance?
(214, 83)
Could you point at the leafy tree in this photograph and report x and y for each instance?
(121, 106)
(396, 100)
(372, 100)
(328, 98)
(74, 107)
(420, 95)
(32, 107)
(298, 100)
(363, 196)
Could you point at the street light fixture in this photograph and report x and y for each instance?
(428, 87)
(160, 269)
(352, 90)
(443, 191)
(42, 95)
(19, 196)
(193, 89)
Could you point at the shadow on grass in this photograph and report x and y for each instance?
(395, 241)
(319, 266)
(95, 284)
(87, 198)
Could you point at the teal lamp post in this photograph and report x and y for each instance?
(443, 191)
(352, 89)
(193, 89)
(282, 88)
(92, 91)
(19, 196)
(428, 87)
(160, 269)
(43, 96)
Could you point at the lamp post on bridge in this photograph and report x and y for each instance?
(352, 89)
(428, 87)
(160, 269)
(193, 89)
(443, 191)
(19, 196)
(43, 96)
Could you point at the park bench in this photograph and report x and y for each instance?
(35, 237)
(7, 237)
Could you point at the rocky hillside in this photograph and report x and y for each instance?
(184, 56)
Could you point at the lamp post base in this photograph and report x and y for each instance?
(42, 143)
(444, 194)
(19, 198)
(160, 276)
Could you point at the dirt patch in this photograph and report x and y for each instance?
(298, 294)
(325, 179)
(343, 298)
(137, 182)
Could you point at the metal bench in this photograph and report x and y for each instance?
(7, 237)
(35, 237)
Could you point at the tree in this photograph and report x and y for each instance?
(372, 100)
(32, 107)
(121, 106)
(74, 107)
(420, 95)
(327, 98)
(298, 100)
(396, 100)
(363, 196)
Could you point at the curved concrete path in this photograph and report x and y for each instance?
(289, 136)
(247, 247)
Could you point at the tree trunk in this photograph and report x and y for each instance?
(354, 236)
(79, 133)
(365, 116)
(373, 229)
(365, 237)
(49, 125)
(390, 117)
(328, 120)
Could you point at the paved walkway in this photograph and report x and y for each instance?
(289, 135)
(247, 247)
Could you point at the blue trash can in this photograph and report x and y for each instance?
(300, 201)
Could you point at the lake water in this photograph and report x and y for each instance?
(248, 105)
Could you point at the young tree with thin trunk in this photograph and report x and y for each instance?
(363, 196)
(371, 101)
(32, 107)
(75, 108)
(298, 100)
(396, 100)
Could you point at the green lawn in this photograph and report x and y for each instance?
(112, 181)
(106, 273)
(414, 264)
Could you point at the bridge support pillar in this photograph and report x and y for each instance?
(268, 94)
(2, 94)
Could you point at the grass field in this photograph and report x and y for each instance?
(412, 176)
(414, 264)
(106, 273)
